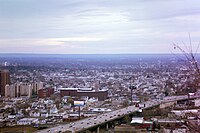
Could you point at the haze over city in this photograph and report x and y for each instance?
(97, 26)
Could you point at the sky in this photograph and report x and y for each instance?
(98, 26)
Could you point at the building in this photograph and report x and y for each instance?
(129, 129)
(68, 92)
(37, 86)
(25, 90)
(27, 121)
(10, 91)
(46, 92)
(18, 90)
(80, 92)
(4, 80)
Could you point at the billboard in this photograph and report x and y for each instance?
(79, 103)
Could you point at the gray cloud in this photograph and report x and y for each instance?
(123, 26)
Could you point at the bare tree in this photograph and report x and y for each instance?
(190, 59)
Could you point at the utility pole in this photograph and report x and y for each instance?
(132, 87)
(79, 111)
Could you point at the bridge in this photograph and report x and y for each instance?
(95, 121)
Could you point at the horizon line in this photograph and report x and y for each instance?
(89, 53)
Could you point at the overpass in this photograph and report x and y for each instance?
(87, 123)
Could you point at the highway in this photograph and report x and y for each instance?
(103, 118)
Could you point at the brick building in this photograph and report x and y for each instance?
(79, 92)
(4, 80)
(45, 92)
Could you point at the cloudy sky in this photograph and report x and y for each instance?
(97, 26)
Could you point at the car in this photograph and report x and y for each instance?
(71, 123)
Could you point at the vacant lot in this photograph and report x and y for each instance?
(18, 129)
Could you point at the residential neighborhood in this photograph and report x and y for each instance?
(43, 98)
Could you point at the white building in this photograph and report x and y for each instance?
(53, 110)
(44, 114)
(27, 121)
(18, 89)
(34, 114)
(25, 90)
(37, 86)
(197, 102)
(137, 120)
(22, 89)
(10, 91)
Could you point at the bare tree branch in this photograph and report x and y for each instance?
(197, 48)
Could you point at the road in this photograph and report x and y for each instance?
(103, 118)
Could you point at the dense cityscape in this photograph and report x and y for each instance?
(99, 66)
(60, 89)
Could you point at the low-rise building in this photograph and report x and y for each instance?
(45, 92)
(80, 92)
(27, 121)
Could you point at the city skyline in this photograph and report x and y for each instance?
(97, 27)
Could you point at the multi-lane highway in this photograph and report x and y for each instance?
(92, 121)
(104, 118)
